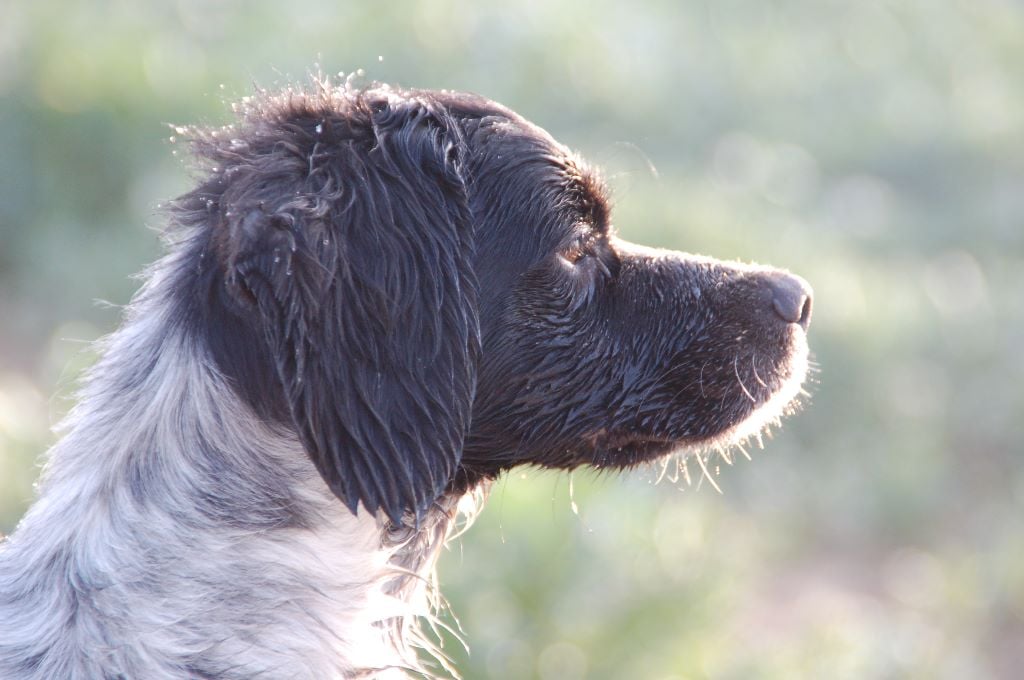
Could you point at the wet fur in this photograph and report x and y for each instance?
(373, 303)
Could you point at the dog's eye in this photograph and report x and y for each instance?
(580, 248)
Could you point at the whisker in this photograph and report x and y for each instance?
(707, 475)
(743, 451)
(753, 364)
(736, 370)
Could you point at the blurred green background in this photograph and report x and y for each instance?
(877, 148)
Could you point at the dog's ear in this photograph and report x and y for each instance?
(350, 244)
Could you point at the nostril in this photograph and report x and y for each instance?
(791, 299)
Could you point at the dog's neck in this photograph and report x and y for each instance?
(178, 535)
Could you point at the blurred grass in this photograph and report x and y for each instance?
(877, 148)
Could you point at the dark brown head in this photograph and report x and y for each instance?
(428, 289)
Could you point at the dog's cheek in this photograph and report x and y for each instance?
(549, 372)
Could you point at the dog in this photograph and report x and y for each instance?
(373, 302)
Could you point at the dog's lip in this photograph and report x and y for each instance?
(614, 439)
(768, 404)
(641, 443)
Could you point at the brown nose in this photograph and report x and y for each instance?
(791, 298)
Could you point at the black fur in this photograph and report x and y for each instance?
(426, 288)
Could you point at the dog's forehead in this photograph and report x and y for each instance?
(502, 142)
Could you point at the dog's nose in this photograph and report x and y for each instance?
(791, 298)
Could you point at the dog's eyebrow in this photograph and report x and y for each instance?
(588, 194)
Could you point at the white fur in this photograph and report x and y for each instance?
(100, 581)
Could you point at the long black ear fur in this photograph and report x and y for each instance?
(345, 235)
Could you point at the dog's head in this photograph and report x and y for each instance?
(428, 289)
